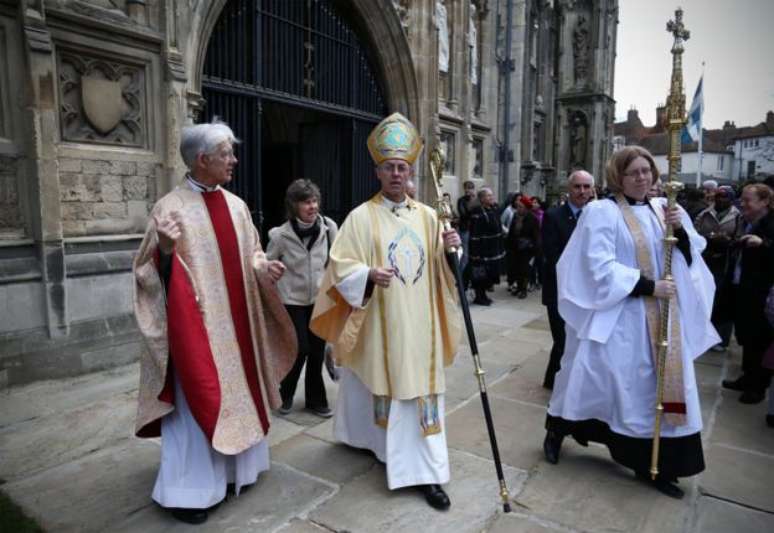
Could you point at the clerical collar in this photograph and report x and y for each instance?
(632, 201)
(198, 187)
(396, 206)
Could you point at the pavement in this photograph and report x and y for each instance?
(68, 458)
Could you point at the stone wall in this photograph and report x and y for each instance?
(106, 197)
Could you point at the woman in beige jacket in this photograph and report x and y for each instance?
(303, 244)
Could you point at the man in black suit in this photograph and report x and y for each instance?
(558, 225)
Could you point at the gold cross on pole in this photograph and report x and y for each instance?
(677, 28)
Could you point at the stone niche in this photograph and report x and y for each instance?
(10, 216)
(102, 100)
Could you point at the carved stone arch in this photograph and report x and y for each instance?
(379, 22)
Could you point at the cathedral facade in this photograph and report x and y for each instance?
(93, 94)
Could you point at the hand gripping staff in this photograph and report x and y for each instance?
(444, 214)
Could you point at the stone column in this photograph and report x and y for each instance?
(180, 106)
(42, 170)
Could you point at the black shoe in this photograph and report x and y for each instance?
(664, 486)
(552, 445)
(189, 516)
(435, 496)
(323, 412)
(770, 419)
(752, 397)
(737, 384)
(521, 295)
(482, 301)
(286, 407)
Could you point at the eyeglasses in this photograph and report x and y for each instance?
(644, 171)
(402, 168)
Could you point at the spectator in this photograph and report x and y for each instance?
(751, 274)
(521, 245)
(719, 224)
(302, 244)
(486, 246)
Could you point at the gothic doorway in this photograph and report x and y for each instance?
(297, 85)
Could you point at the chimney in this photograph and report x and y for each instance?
(770, 120)
(661, 117)
(632, 115)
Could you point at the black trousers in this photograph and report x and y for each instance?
(754, 334)
(311, 350)
(557, 333)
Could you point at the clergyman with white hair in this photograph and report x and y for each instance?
(205, 301)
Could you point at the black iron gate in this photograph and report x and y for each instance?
(300, 55)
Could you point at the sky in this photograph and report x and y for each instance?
(734, 38)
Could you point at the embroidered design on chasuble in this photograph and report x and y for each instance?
(217, 316)
(674, 392)
(401, 254)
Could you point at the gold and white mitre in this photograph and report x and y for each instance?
(395, 138)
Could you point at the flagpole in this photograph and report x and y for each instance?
(701, 130)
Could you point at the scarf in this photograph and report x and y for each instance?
(304, 231)
(673, 399)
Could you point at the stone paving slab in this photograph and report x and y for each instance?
(366, 505)
(740, 476)
(587, 491)
(282, 429)
(508, 349)
(518, 426)
(717, 516)
(44, 398)
(57, 438)
(91, 493)
(336, 463)
(515, 522)
(743, 426)
(498, 314)
(526, 382)
(302, 526)
(461, 383)
(279, 495)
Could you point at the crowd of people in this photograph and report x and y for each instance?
(229, 328)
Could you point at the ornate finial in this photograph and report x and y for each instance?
(677, 28)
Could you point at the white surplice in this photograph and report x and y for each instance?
(194, 476)
(607, 370)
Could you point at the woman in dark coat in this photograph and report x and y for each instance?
(750, 277)
(486, 246)
(521, 245)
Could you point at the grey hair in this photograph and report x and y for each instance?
(581, 172)
(204, 139)
(482, 191)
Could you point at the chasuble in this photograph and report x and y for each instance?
(219, 326)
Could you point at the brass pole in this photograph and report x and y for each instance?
(676, 117)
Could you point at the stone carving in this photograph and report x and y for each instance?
(579, 129)
(442, 22)
(101, 100)
(473, 43)
(403, 7)
(580, 50)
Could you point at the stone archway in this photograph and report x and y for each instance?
(380, 24)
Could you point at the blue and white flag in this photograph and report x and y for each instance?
(692, 128)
